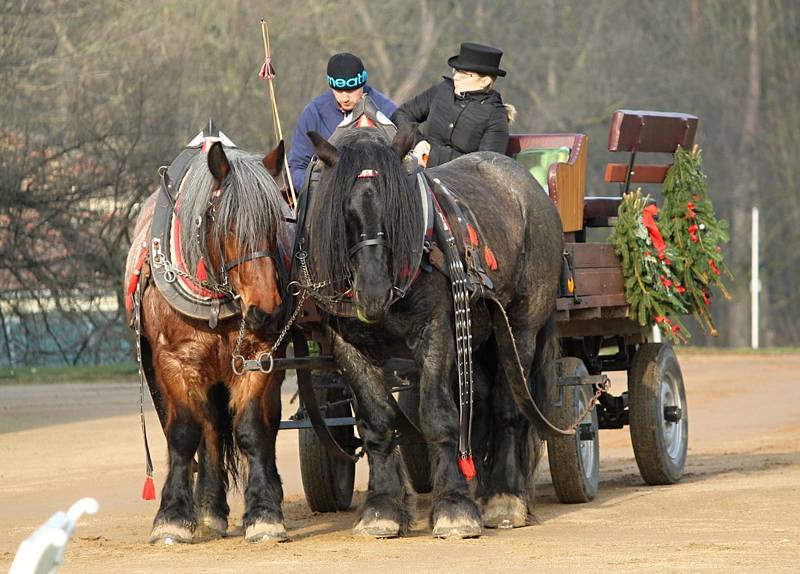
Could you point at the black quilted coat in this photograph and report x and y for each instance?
(456, 125)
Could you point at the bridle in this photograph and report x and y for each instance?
(225, 287)
(249, 257)
(379, 239)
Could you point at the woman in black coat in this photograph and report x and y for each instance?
(464, 113)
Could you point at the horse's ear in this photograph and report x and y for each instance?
(273, 161)
(217, 162)
(325, 150)
(404, 139)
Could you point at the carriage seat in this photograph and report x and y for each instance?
(558, 163)
(636, 132)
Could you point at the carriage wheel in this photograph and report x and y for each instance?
(328, 481)
(657, 413)
(415, 455)
(574, 460)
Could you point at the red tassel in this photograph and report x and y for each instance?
(132, 284)
(473, 236)
(267, 72)
(149, 489)
(202, 275)
(488, 255)
(467, 467)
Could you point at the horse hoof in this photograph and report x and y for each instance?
(211, 527)
(377, 528)
(170, 534)
(505, 511)
(448, 528)
(266, 532)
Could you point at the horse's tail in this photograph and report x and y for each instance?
(219, 405)
(543, 382)
(545, 371)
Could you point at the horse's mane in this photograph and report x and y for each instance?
(249, 206)
(361, 149)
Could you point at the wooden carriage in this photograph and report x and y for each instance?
(594, 324)
(596, 330)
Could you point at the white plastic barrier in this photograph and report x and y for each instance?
(43, 551)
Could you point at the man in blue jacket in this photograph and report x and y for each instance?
(347, 80)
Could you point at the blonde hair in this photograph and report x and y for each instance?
(511, 112)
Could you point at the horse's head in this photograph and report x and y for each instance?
(231, 225)
(365, 221)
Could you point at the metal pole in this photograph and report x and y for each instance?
(755, 283)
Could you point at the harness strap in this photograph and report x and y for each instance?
(466, 237)
(366, 243)
(166, 186)
(463, 336)
(255, 255)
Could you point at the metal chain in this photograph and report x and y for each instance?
(169, 268)
(312, 288)
(600, 388)
(302, 256)
(267, 355)
(239, 340)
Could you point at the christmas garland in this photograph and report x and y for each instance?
(651, 289)
(671, 265)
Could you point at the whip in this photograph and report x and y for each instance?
(267, 72)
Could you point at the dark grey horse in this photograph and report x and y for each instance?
(520, 224)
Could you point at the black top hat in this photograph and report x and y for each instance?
(478, 58)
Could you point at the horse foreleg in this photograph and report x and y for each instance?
(216, 459)
(257, 402)
(453, 512)
(386, 512)
(176, 521)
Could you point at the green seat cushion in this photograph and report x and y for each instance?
(539, 160)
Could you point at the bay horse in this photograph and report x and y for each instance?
(365, 225)
(230, 211)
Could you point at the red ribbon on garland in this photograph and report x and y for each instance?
(648, 219)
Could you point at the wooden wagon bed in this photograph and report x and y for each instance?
(598, 306)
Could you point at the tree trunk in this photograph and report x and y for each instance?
(744, 192)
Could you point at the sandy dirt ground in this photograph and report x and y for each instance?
(736, 509)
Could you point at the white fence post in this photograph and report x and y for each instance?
(755, 282)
